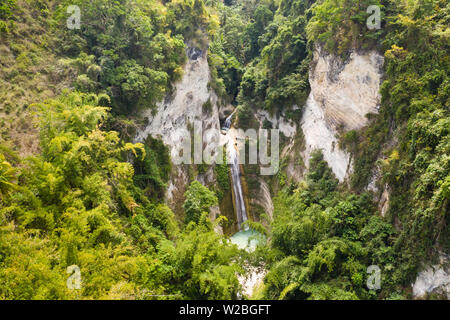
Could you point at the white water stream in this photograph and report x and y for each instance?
(233, 159)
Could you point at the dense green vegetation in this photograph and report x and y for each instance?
(324, 238)
(76, 203)
(88, 197)
(74, 190)
(341, 25)
(266, 68)
(414, 112)
(415, 97)
(123, 48)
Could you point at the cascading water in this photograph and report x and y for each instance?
(227, 123)
(246, 239)
(239, 203)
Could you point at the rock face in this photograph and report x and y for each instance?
(319, 135)
(288, 128)
(433, 279)
(346, 92)
(342, 94)
(264, 200)
(191, 106)
(194, 53)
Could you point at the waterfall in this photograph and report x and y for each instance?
(227, 123)
(239, 203)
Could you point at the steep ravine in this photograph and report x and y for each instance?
(342, 94)
(193, 108)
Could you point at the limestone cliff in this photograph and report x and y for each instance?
(191, 104)
(433, 279)
(342, 94)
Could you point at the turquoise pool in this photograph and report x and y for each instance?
(241, 239)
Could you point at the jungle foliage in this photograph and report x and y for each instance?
(86, 196)
(89, 198)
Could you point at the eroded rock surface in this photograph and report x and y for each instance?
(346, 92)
(434, 279)
(176, 116)
(342, 94)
